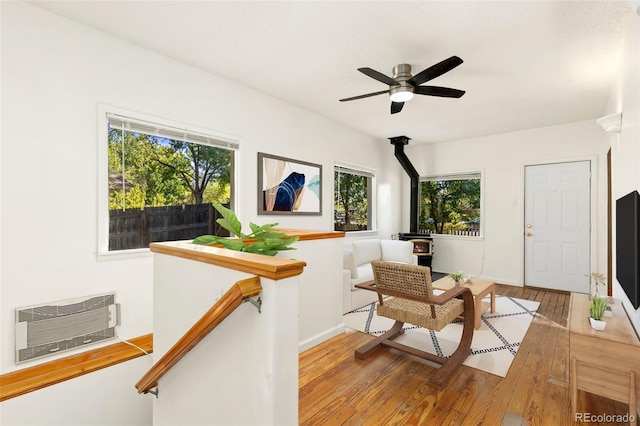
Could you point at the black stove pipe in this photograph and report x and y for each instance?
(399, 142)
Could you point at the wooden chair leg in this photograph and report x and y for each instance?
(440, 377)
(367, 349)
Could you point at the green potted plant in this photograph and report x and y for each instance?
(261, 240)
(458, 278)
(596, 312)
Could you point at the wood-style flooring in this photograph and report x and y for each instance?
(389, 388)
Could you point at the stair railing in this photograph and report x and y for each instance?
(232, 298)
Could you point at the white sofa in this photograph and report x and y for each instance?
(357, 267)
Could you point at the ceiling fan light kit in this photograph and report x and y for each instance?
(403, 91)
(402, 86)
(400, 94)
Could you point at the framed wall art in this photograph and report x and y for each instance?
(287, 186)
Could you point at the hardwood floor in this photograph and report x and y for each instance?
(389, 388)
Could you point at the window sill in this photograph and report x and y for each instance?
(359, 233)
(107, 256)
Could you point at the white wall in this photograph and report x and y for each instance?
(106, 397)
(320, 300)
(55, 73)
(501, 158)
(625, 146)
(245, 372)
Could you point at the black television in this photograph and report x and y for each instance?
(628, 245)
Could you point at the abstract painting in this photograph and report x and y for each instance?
(287, 186)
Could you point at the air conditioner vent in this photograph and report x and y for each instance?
(59, 326)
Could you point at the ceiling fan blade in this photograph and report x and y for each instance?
(444, 92)
(396, 107)
(353, 98)
(378, 76)
(435, 70)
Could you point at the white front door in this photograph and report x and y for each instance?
(557, 226)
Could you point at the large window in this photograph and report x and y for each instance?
(162, 181)
(450, 204)
(353, 199)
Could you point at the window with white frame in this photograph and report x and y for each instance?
(353, 198)
(162, 181)
(451, 204)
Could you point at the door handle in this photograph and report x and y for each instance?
(529, 234)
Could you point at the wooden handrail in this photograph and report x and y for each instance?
(229, 301)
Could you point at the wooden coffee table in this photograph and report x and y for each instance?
(479, 289)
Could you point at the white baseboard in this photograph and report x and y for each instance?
(320, 337)
(503, 281)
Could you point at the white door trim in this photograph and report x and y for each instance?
(592, 214)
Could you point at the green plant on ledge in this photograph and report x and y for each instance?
(261, 240)
(458, 277)
(597, 307)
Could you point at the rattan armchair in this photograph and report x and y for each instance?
(413, 302)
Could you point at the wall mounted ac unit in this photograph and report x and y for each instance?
(54, 327)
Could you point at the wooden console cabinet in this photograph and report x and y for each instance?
(604, 362)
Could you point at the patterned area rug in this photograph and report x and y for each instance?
(494, 344)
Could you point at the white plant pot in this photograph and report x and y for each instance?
(597, 324)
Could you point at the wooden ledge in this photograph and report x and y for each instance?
(50, 373)
(275, 268)
(309, 234)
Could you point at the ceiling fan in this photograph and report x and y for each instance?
(402, 86)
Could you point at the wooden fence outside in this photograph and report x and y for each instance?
(465, 232)
(136, 228)
(468, 231)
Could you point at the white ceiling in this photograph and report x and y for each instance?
(526, 64)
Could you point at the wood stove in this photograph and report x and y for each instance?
(422, 246)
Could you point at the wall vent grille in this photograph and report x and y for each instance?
(68, 324)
